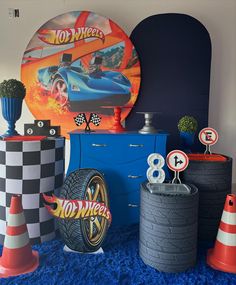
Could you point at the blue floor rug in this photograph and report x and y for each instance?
(120, 264)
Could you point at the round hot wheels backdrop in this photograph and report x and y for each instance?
(80, 62)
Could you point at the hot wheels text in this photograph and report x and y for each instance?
(69, 35)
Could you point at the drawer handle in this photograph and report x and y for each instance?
(135, 145)
(133, 205)
(135, 176)
(98, 145)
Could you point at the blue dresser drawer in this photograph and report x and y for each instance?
(125, 208)
(121, 178)
(116, 149)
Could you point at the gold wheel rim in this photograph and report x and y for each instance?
(95, 227)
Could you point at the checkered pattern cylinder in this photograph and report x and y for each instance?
(30, 168)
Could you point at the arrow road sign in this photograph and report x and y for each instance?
(177, 160)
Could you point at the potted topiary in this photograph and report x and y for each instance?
(187, 126)
(12, 93)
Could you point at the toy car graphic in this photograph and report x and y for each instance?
(82, 90)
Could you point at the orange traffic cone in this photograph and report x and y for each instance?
(223, 256)
(17, 256)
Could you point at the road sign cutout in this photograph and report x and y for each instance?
(177, 161)
(208, 136)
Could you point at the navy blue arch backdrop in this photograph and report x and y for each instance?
(175, 55)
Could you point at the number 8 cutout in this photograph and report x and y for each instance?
(155, 167)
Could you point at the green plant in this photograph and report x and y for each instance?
(187, 124)
(12, 88)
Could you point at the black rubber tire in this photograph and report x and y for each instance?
(169, 244)
(208, 228)
(166, 268)
(213, 176)
(162, 231)
(211, 167)
(211, 212)
(207, 198)
(168, 230)
(211, 222)
(166, 257)
(168, 216)
(175, 202)
(213, 180)
(209, 183)
(73, 231)
(172, 261)
(210, 187)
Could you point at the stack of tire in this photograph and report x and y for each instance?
(168, 230)
(213, 180)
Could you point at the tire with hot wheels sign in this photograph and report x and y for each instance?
(86, 234)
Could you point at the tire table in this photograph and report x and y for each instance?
(213, 180)
(29, 168)
(168, 230)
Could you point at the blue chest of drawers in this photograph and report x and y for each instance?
(122, 158)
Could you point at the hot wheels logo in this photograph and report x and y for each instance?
(67, 36)
(76, 209)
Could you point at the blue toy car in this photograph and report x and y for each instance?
(79, 90)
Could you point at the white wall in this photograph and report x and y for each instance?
(218, 16)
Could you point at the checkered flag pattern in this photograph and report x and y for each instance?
(95, 119)
(30, 168)
(80, 119)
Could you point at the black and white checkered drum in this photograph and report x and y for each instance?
(30, 168)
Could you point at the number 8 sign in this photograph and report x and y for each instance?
(155, 168)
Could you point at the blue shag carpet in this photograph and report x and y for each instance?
(120, 264)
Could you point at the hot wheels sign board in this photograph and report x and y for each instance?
(76, 209)
(80, 62)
